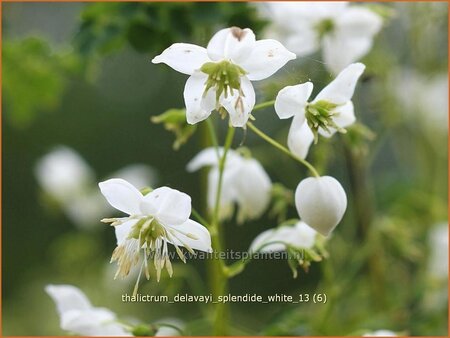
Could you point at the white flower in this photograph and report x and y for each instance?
(244, 182)
(220, 74)
(158, 218)
(422, 97)
(344, 33)
(300, 236)
(321, 203)
(331, 110)
(438, 259)
(380, 333)
(63, 173)
(78, 316)
(139, 175)
(66, 177)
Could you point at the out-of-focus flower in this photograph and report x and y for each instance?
(220, 74)
(321, 203)
(380, 333)
(423, 97)
(158, 218)
(438, 259)
(331, 110)
(78, 316)
(300, 236)
(344, 33)
(63, 173)
(139, 175)
(244, 182)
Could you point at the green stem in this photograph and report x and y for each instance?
(277, 145)
(264, 105)
(200, 218)
(219, 280)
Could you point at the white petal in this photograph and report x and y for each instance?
(340, 51)
(239, 107)
(121, 195)
(291, 100)
(300, 236)
(231, 43)
(303, 42)
(266, 58)
(228, 192)
(168, 205)
(341, 89)
(193, 234)
(345, 118)
(321, 203)
(380, 333)
(266, 237)
(63, 174)
(358, 22)
(207, 157)
(183, 57)
(198, 106)
(300, 136)
(252, 186)
(93, 322)
(123, 230)
(139, 175)
(67, 298)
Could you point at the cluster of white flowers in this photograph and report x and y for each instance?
(344, 32)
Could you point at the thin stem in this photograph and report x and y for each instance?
(264, 105)
(228, 141)
(277, 145)
(219, 280)
(213, 136)
(200, 218)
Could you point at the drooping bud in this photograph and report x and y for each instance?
(321, 203)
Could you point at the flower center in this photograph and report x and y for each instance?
(321, 115)
(324, 27)
(223, 77)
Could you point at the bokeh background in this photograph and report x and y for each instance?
(79, 76)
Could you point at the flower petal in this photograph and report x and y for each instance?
(168, 205)
(93, 322)
(358, 22)
(340, 51)
(193, 234)
(300, 236)
(67, 298)
(321, 203)
(228, 192)
(266, 58)
(231, 43)
(300, 136)
(207, 157)
(198, 106)
(291, 100)
(253, 186)
(121, 195)
(341, 89)
(345, 118)
(185, 58)
(240, 106)
(123, 230)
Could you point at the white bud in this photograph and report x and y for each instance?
(321, 203)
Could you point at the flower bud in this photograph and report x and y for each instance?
(321, 203)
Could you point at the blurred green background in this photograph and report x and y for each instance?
(80, 75)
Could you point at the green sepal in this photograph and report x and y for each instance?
(174, 120)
